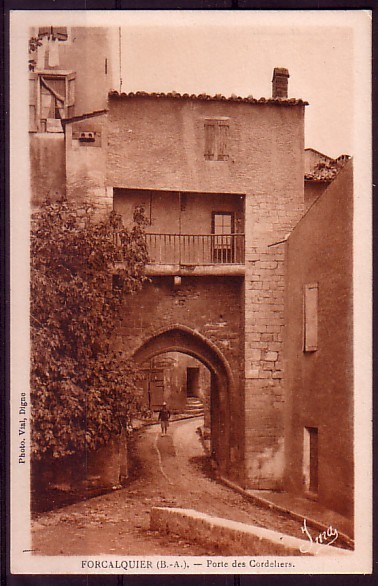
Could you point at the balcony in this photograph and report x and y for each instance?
(195, 254)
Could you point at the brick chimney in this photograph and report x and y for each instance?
(280, 82)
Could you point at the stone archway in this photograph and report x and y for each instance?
(183, 339)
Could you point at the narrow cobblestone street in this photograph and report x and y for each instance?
(171, 471)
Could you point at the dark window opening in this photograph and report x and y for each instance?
(192, 381)
(117, 283)
(311, 459)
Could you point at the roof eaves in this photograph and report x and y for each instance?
(318, 180)
(207, 97)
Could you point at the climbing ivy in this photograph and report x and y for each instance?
(82, 390)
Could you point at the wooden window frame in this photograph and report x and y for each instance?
(213, 214)
(37, 123)
(223, 252)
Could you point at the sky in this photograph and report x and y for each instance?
(195, 54)
(327, 53)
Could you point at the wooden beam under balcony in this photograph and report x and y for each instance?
(221, 270)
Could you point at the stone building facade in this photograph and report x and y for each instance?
(72, 74)
(164, 152)
(221, 181)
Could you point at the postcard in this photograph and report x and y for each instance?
(191, 292)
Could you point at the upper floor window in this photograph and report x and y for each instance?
(59, 33)
(310, 318)
(216, 139)
(45, 46)
(52, 98)
(223, 242)
(222, 222)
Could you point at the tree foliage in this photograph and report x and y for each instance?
(34, 43)
(82, 390)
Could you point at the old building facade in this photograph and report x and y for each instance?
(319, 349)
(221, 181)
(212, 177)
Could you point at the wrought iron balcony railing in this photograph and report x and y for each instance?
(195, 249)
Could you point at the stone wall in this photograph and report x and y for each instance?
(86, 163)
(264, 325)
(159, 144)
(104, 468)
(212, 308)
(47, 167)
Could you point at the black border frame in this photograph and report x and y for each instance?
(167, 580)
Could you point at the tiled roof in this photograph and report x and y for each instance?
(327, 170)
(208, 98)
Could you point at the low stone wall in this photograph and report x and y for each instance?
(103, 468)
(232, 537)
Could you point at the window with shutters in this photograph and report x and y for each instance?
(60, 33)
(310, 342)
(52, 99)
(216, 139)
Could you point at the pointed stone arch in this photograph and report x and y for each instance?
(179, 338)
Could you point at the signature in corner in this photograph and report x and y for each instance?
(325, 538)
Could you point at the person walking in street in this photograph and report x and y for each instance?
(164, 416)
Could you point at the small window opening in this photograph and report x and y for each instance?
(310, 459)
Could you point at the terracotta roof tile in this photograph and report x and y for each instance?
(207, 97)
(327, 170)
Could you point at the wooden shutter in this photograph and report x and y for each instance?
(222, 141)
(44, 31)
(56, 32)
(210, 128)
(60, 33)
(71, 90)
(33, 93)
(311, 317)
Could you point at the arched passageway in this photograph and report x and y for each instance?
(180, 380)
(186, 341)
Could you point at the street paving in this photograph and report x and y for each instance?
(170, 470)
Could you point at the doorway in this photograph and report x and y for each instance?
(192, 381)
